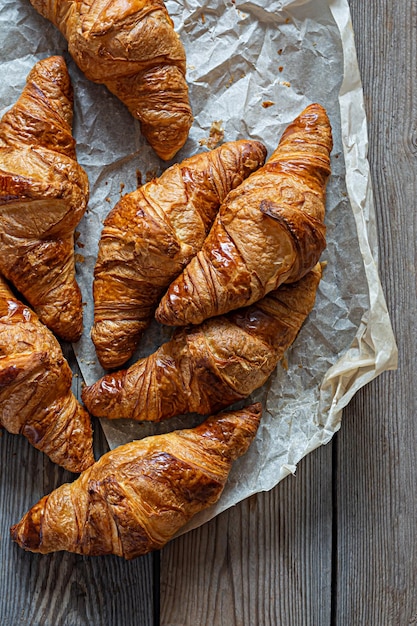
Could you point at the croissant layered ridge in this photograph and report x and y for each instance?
(151, 235)
(136, 497)
(131, 47)
(205, 368)
(35, 388)
(43, 196)
(268, 231)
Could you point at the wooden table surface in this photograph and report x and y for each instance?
(337, 543)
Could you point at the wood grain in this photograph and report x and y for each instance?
(377, 447)
(265, 561)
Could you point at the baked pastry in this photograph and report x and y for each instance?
(136, 497)
(268, 231)
(131, 47)
(35, 388)
(43, 196)
(208, 367)
(149, 237)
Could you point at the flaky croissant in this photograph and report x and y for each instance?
(136, 497)
(208, 367)
(268, 231)
(131, 47)
(150, 236)
(35, 388)
(43, 195)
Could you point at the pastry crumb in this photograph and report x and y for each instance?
(150, 175)
(216, 135)
(267, 103)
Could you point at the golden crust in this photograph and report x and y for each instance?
(136, 497)
(268, 231)
(35, 388)
(151, 235)
(132, 48)
(208, 367)
(43, 195)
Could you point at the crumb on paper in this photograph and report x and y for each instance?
(151, 175)
(280, 51)
(122, 186)
(230, 81)
(138, 178)
(284, 363)
(286, 83)
(108, 200)
(79, 258)
(216, 135)
(203, 18)
(280, 69)
(267, 103)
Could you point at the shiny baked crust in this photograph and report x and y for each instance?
(131, 47)
(207, 367)
(136, 497)
(151, 235)
(35, 388)
(268, 231)
(43, 196)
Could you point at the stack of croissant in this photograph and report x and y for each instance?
(223, 245)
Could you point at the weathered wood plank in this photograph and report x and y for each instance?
(377, 447)
(266, 561)
(61, 589)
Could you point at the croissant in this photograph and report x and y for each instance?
(131, 47)
(208, 367)
(268, 231)
(35, 388)
(136, 497)
(43, 195)
(149, 237)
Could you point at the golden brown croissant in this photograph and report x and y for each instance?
(35, 388)
(149, 237)
(43, 195)
(208, 367)
(131, 47)
(136, 497)
(268, 231)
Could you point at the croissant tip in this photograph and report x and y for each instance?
(27, 532)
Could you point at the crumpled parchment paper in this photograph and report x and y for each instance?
(252, 68)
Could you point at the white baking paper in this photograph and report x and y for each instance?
(252, 68)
